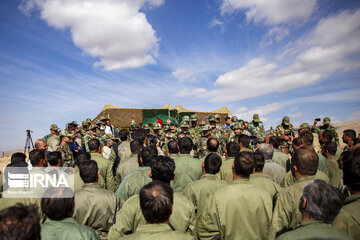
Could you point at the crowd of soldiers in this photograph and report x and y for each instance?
(191, 180)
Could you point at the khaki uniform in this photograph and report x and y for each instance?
(261, 180)
(96, 207)
(226, 172)
(187, 169)
(52, 141)
(158, 232)
(274, 171)
(334, 173)
(280, 158)
(133, 183)
(123, 150)
(322, 162)
(105, 170)
(130, 217)
(290, 179)
(199, 191)
(66, 228)
(127, 166)
(348, 220)
(286, 212)
(313, 230)
(78, 182)
(237, 211)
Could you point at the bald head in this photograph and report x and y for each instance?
(41, 144)
(306, 161)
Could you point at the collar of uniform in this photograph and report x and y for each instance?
(95, 153)
(258, 175)
(268, 160)
(352, 198)
(146, 168)
(332, 158)
(240, 181)
(173, 155)
(91, 185)
(230, 159)
(185, 155)
(303, 179)
(133, 155)
(209, 176)
(66, 220)
(306, 223)
(152, 228)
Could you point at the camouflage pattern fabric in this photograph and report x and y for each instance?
(258, 130)
(66, 154)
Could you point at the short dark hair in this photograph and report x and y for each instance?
(94, 144)
(227, 118)
(148, 155)
(53, 157)
(307, 136)
(163, 169)
(89, 171)
(331, 147)
(212, 144)
(36, 156)
(350, 133)
(323, 201)
(306, 161)
(259, 161)
(55, 206)
(181, 135)
(212, 163)
(244, 140)
(274, 141)
(82, 157)
(18, 157)
(156, 201)
(244, 164)
(173, 146)
(297, 141)
(351, 170)
(151, 140)
(135, 146)
(232, 149)
(20, 222)
(328, 134)
(123, 134)
(139, 135)
(185, 145)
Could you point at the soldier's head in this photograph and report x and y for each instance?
(304, 162)
(286, 121)
(162, 169)
(18, 157)
(57, 203)
(267, 150)
(349, 136)
(243, 165)
(320, 201)
(94, 145)
(193, 120)
(326, 136)
(20, 222)
(274, 141)
(237, 127)
(173, 127)
(326, 122)
(217, 118)
(38, 158)
(212, 145)
(298, 143)
(307, 137)
(156, 201)
(147, 156)
(244, 141)
(41, 144)
(124, 135)
(54, 129)
(54, 159)
(227, 120)
(173, 147)
(82, 157)
(351, 170)
(136, 146)
(259, 162)
(139, 135)
(89, 171)
(304, 127)
(212, 163)
(185, 145)
(246, 125)
(329, 149)
(232, 149)
(256, 118)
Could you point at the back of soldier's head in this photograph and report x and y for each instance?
(135, 146)
(156, 201)
(54, 158)
(259, 161)
(212, 163)
(18, 157)
(298, 141)
(139, 135)
(173, 147)
(330, 147)
(123, 135)
(327, 135)
(232, 149)
(307, 136)
(185, 145)
(274, 141)
(20, 222)
(36, 156)
(57, 205)
(148, 155)
(89, 171)
(151, 141)
(163, 169)
(212, 145)
(94, 144)
(351, 170)
(267, 150)
(323, 201)
(244, 140)
(181, 135)
(350, 133)
(306, 161)
(82, 157)
(244, 164)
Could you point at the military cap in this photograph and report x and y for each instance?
(74, 122)
(92, 126)
(98, 122)
(83, 123)
(326, 120)
(88, 120)
(304, 125)
(234, 119)
(146, 126)
(241, 121)
(206, 127)
(184, 124)
(286, 120)
(64, 133)
(212, 118)
(256, 117)
(193, 117)
(237, 125)
(167, 128)
(217, 116)
(132, 123)
(173, 124)
(117, 130)
(157, 126)
(54, 127)
(186, 119)
(202, 123)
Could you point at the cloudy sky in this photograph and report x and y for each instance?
(63, 60)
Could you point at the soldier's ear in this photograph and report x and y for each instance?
(233, 165)
(203, 165)
(150, 175)
(304, 203)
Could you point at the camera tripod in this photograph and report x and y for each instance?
(28, 141)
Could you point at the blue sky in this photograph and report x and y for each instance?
(64, 60)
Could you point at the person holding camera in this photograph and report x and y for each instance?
(326, 126)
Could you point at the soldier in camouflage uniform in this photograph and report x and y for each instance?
(184, 129)
(173, 130)
(257, 128)
(194, 130)
(201, 142)
(66, 153)
(219, 126)
(234, 136)
(304, 126)
(326, 126)
(285, 131)
(52, 139)
(216, 133)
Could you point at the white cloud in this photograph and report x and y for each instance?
(355, 116)
(183, 75)
(271, 12)
(275, 33)
(187, 93)
(115, 31)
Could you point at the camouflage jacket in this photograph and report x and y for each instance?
(320, 129)
(201, 146)
(258, 130)
(195, 132)
(66, 154)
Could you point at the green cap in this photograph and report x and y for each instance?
(184, 124)
(173, 124)
(234, 119)
(74, 122)
(193, 117)
(212, 118)
(326, 120)
(83, 123)
(286, 120)
(186, 118)
(54, 127)
(206, 127)
(217, 116)
(88, 120)
(241, 121)
(98, 122)
(237, 125)
(157, 126)
(256, 117)
(65, 133)
(146, 126)
(92, 126)
(304, 125)
(202, 123)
